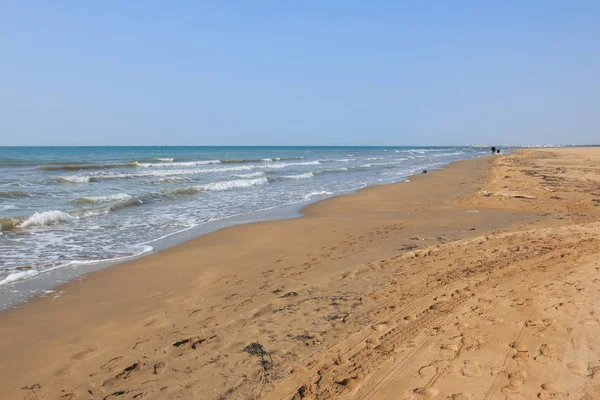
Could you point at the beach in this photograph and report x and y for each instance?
(476, 281)
(67, 210)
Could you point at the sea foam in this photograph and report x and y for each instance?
(307, 175)
(17, 276)
(250, 175)
(176, 164)
(46, 218)
(101, 199)
(227, 185)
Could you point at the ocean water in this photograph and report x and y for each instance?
(66, 206)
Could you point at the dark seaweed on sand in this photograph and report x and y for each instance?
(256, 349)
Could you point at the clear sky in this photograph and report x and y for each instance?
(299, 72)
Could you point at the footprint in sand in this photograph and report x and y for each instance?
(461, 396)
(437, 367)
(521, 302)
(552, 390)
(516, 380)
(579, 367)
(85, 354)
(472, 342)
(547, 352)
(425, 393)
(125, 374)
(470, 368)
(64, 371)
(449, 351)
(522, 352)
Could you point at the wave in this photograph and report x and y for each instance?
(176, 172)
(76, 179)
(54, 217)
(156, 163)
(307, 175)
(217, 186)
(310, 195)
(46, 218)
(176, 164)
(101, 199)
(17, 276)
(174, 179)
(13, 194)
(22, 275)
(346, 160)
(250, 175)
(226, 185)
(8, 224)
(326, 171)
(258, 160)
(78, 167)
(448, 154)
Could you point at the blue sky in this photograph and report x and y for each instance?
(299, 73)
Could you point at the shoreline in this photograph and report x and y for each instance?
(356, 285)
(44, 284)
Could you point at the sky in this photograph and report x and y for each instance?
(299, 72)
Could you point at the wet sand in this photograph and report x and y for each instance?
(475, 281)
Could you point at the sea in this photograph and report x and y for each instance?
(75, 206)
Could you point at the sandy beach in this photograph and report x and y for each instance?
(477, 281)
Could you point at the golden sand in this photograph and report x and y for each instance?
(466, 283)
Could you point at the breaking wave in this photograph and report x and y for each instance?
(307, 175)
(101, 199)
(13, 194)
(78, 167)
(176, 164)
(17, 276)
(217, 186)
(46, 218)
(176, 172)
(310, 195)
(250, 175)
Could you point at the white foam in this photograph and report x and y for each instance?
(176, 172)
(8, 207)
(316, 193)
(307, 175)
(17, 276)
(285, 165)
(74, 179)
(176, 164)
(164, 159)
(449, 154)
(145, 249)
(103, 199)
(171, 180)
(227, 185)
(46, 218)
(250, 175)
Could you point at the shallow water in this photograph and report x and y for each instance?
(66, 206)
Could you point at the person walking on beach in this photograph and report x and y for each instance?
(498, 150)
(493, 150)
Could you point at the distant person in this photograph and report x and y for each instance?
(493, 150)
(498, 150)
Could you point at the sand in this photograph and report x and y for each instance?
(478, 281)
